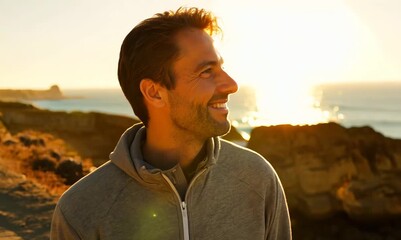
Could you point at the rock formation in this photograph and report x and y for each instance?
(35, 169)
(93, 135)
(53, 93)
(326, 169)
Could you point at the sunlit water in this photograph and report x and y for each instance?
(360, 104)
(375, 105)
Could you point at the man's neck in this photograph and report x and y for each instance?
(165, 150)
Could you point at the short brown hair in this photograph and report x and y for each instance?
(150, 49)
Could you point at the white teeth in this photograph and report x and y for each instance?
(219, 105)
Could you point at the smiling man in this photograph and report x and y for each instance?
(172, 177)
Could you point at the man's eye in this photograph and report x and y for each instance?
(206, 73)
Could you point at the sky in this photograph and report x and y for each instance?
(76, 43)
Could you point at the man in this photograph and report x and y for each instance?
(172, 177)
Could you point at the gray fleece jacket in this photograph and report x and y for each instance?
(235, 194)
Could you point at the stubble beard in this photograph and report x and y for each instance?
(196, 119)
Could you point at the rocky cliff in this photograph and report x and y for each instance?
(93, 135)
(327, 168)
(52, 93)
(340, 183)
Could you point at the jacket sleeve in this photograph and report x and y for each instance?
(60, 228)
(278, 224)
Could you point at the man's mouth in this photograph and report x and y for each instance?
(219, 105)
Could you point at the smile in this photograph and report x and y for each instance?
(219, 105)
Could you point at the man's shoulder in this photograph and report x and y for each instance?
(95, 190)
(241, 159)
(239, 154)
(246, 168)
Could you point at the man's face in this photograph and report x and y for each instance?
(198, 104)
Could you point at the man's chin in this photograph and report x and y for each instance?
(222, 128)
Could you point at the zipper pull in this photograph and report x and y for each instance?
(184, 206)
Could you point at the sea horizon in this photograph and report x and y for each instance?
(377, 105)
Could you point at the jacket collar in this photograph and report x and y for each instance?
(127, 156)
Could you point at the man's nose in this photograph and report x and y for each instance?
(227, 84)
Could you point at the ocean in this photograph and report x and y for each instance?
(359, 104)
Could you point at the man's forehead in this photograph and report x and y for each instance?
(191, 37)
(196, 45)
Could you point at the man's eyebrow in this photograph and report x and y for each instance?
(209, 63)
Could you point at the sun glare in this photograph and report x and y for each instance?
(284, 51)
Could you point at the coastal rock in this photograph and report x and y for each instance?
(43, 164)
(70, 170)
(52, 93)
(92, 134)
(29, 186)
(326, 169)
(374, 198)
(28, 141)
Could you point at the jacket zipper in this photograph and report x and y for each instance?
(183, 208)
(183, 205)
(185, 220)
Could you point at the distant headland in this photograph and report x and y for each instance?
(53, 93)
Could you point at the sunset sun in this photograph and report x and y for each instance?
(283, 52)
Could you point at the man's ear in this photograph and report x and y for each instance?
(151, 91)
